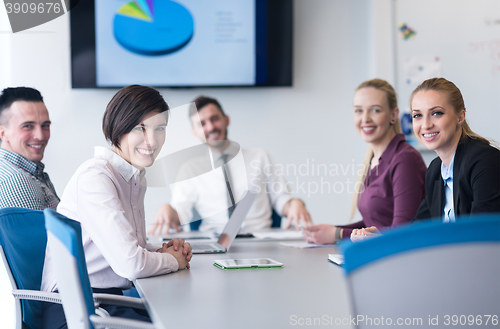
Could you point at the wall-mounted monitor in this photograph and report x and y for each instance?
(182, 43)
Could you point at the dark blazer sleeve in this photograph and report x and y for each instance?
(431, 204)
(423, 211)
(478, 179)
(476, 182)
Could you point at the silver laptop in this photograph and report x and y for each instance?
(229, 233)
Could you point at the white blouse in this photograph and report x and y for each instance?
(106, 195)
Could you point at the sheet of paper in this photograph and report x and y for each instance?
(336, 258)
(284, 234)
(305, 245)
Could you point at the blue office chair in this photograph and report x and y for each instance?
(22, 245)
(195, 225)
(276, 219)
(427, 273)
(79, 304)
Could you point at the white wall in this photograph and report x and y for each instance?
(5, 49)
(337, 45)
(307, 124)
(6, 300)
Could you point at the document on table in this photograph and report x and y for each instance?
(305, 245)
(282, 234)
(336, 258)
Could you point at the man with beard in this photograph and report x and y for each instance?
(271, 188)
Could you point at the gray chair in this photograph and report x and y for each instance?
(427, 274)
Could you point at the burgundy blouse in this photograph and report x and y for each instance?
(394, 188)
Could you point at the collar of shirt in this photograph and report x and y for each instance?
(18, 160)
(232, 149)
(446, 172)
(391, 148)
(126, 170)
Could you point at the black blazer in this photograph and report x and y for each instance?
(476, 182)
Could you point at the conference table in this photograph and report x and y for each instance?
(308, 291)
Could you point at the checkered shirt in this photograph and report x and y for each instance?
(24, 184)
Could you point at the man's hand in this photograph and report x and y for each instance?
(180, 249)
(364, 233)
(167, 216)
(296, 211)
(320, 234)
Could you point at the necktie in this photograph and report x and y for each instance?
(227, 178)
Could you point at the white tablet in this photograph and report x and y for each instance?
(230, 264)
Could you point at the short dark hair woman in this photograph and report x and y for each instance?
(106, 195)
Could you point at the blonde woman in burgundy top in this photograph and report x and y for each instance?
(393, 182)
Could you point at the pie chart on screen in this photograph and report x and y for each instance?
(153, 27)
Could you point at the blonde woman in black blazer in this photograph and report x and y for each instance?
(438, 112)
(476, 181)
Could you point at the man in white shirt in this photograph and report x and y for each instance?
(272, 190)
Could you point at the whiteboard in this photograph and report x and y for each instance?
(458, 40)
